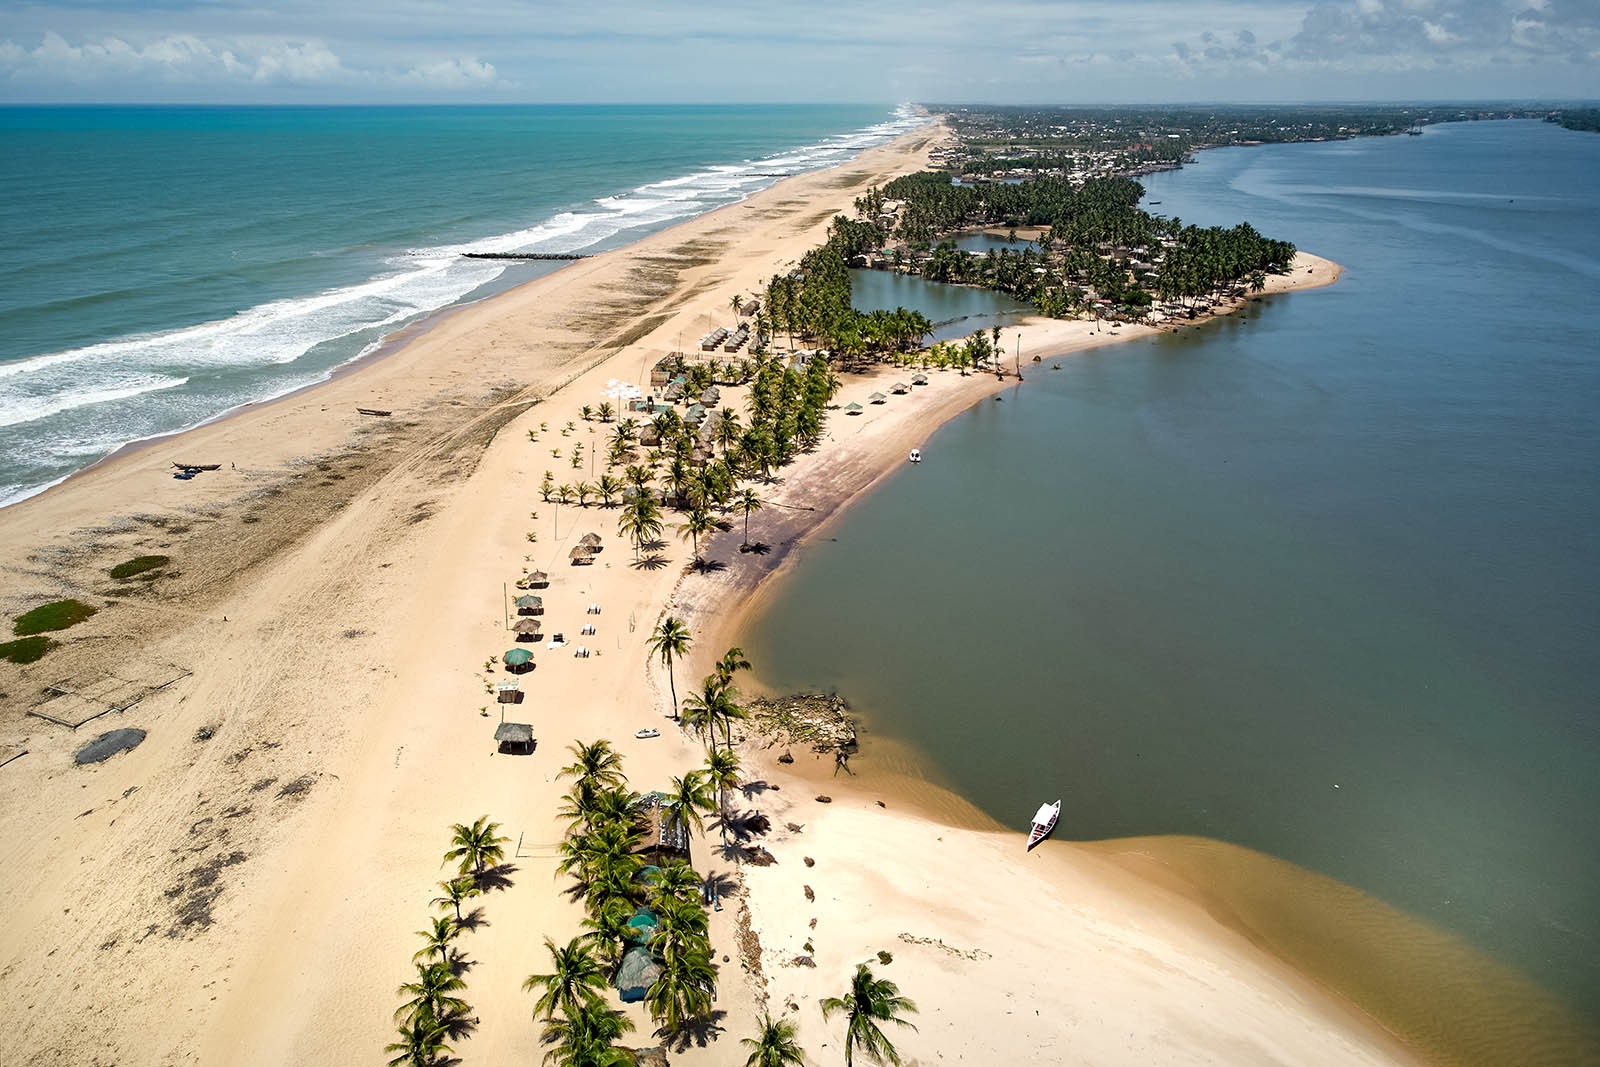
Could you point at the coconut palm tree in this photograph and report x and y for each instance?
(476, 846)
(670, 642)
(576, 977)
(732, 662)
(431, 995)
(640, 520)
(870, 1001)
(689, 796)
(605, 411)
(595, 764)
(678, 883)
(722, 772)
(421, 1043)
(774, 1045)
(699, 522)
(703, 710)
(457, 890)
(747, 502)
(437, 940)
(607, 487)
(587, 1037)
(682, 994)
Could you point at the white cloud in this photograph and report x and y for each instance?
(185, 59)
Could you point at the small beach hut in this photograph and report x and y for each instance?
(919, 379)
(900, 388)
(636, 974)
(642, 927)
(527, 629)
(518, 660)
(712, 395)
(581, 555)
(529, 604)
(853, 408)
(516, 738)
(877, 398)
(590, 539)
(536, 580)
(508, 692)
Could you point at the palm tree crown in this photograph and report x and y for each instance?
(575, 978)
(869, 1002)
(774, 1045)
(670, 642)
(476, 846)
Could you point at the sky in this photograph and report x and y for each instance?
(602, 51)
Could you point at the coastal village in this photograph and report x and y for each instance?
(433, 733)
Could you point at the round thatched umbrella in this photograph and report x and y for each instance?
(853, 408)
(590, 539)
(529, 605)
(517, 660)
(537, 579)
(527, 626)
(877, 398)
(581, 554)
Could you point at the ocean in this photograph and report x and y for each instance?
(165, 265)
(1319, 580)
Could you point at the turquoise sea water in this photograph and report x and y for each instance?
(164, 265)
(1319, 580)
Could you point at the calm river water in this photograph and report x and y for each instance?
(1319, 580)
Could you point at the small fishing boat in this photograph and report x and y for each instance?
(916, 455)
(642, 734)
(1044, 820)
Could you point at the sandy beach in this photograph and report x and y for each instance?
(245, 885)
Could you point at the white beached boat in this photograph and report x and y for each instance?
(647, 733)
(916, 455)
(1044, 820)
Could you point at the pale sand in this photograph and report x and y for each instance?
(251, 898)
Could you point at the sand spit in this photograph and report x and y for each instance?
(312, 667)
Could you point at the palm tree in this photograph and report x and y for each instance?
(869, 1002)
(676, 884)
(774, 1045)
(689, 796)
(640, 520)
(421, 1042)
(477, 845)
(732, 661)
(702, 710)
(455, 891)
(430, 995)
(585, 1039)
(575, 978)
(699, 522)
(748, 501)
(437, 939)
(722, 772)
(596, 764)
(670, 641)
(605, 411)
(682, 993)
(607, 487)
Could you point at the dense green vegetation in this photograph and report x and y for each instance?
(56, 615)
(26, 649)
(1097, 249)
(139, 565)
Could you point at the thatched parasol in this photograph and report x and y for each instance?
(877, 398)
(527, 626)
(529, 605)
(537, 578)
(853, 408)
(590, 539)
(517, 660)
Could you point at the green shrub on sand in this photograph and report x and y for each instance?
(57, 615)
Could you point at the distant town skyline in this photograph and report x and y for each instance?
(1012, 51)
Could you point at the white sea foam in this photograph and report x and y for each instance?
(39, 392)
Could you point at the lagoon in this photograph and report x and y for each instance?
(1318, 580)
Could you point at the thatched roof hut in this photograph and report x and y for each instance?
(853, 408)
(919, 379)
(590, 539)
(528, 604)
(636, 974)
(900, 388)
(536, 580)
(515, 737)
(527, 626)
(581, 554)
(877, 398)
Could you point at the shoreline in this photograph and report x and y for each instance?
(346, 669)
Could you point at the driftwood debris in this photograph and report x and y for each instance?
(198, 466)
(379, 412)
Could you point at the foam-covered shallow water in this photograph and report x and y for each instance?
(171, 264)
